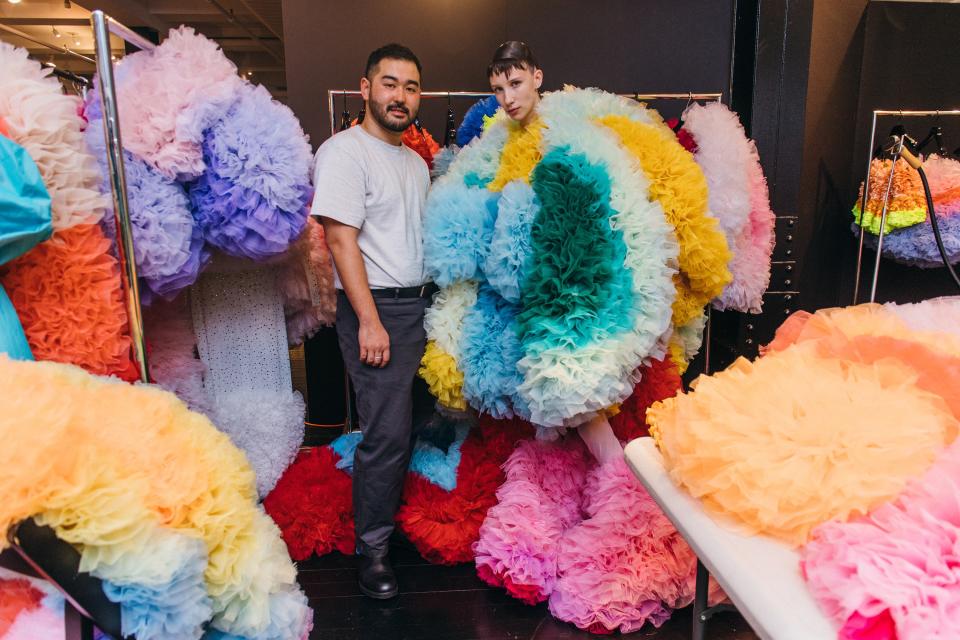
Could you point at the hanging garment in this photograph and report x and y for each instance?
(242, 340)
(908, 234)
(25, 222)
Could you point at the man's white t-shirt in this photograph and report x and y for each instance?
(380, 189)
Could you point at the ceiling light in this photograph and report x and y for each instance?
(14, 1)
(76, 40)
(56, 34)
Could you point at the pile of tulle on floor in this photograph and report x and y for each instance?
(908, 235)
(842, 438)
(587, 537)
(160, 505)
(445, 498)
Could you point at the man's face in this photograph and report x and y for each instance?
(393, 93)
(517, 92)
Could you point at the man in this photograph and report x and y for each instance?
(370, 195)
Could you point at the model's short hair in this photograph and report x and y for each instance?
(512, 54)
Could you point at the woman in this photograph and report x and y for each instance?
(515, 79)
(557, 260)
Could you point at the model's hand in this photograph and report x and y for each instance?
(374, 344)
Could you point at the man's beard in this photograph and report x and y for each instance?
(379, 112)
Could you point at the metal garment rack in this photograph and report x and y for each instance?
(54, 47)
(879, 113)
(103, 26)
(640, 97)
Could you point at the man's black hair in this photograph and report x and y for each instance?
(392, 51)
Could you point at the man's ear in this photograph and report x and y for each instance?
(537, 78)
(365, 88)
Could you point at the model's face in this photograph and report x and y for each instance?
(518, 93)
(393, 94)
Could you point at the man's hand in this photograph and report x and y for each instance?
(374, 344)
(373, 338)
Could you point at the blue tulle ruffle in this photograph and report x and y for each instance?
(457, 231)
(472, 125)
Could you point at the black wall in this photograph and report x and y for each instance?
(911, 58)
(618, 45)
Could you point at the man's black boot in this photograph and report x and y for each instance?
(376, 578)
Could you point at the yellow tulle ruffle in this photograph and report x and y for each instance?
(520, 155)
(445, 380)
(677, 354)
(808, 433)
(681, 188)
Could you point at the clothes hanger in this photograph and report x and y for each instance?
(345, 116)
(450, 135)
(896, 131)
(935, 135)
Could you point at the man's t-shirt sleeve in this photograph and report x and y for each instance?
(339, 185)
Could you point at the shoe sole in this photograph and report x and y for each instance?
(376, 595)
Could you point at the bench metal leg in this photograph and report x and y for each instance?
(700, 616)
(701, 612)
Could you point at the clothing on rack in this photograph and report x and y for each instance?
(67, 289)
(25, 222)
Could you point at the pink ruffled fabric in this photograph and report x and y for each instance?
(625, 564)
(305, 281)
(753, 247)
(171, 346)
(541, 498)
(901, 562)
(169, 96)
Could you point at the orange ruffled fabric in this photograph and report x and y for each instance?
(907, 206)
(799, 437)
(68, 296)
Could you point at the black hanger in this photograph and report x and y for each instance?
(936, 136)
(897, 131)
(345, 116)
(450, 135)
(362, 113)
(416, 123)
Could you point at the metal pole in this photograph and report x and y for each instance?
(118, 184)
(333, 116)
(863, 207)
(127, 34)
(883, 220)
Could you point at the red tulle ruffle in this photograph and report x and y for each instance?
(444, 526)
(313, 505)
(659, 380)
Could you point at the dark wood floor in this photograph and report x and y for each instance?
(451, 603)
